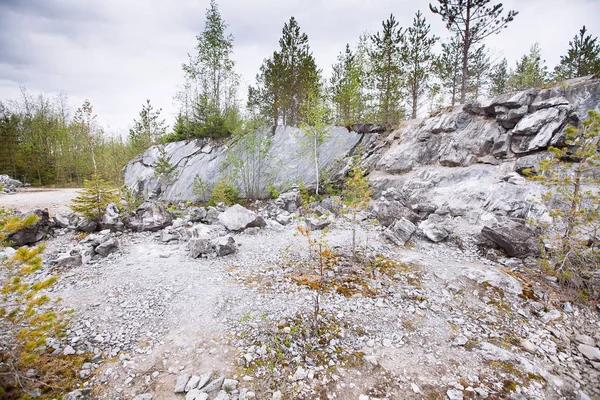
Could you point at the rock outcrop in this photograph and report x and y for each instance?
(289, 162)
(34, 232)
(9, 185)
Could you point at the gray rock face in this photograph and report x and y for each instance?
(590, 352)
(516, 239)
(33, 233)
(9, 185)
(287, 165)
(149, 217)
(387, 212)
(62, 221)
(237, 218)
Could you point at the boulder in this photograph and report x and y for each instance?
(109, 246)
(400, 231)
(149, 217)
(200, 245)
(224, 246)
(9, 185)
(197, 214)
(73, 259)
(332, 204)
(535, 131)
(237, 218)
(387, 212)
(61, 220)
(33, 233)
(515, 238)
(86, 225)
(112, 218)
(434, 228)
(289, 201)
(212, 216)
(316, 224)
(368, 128)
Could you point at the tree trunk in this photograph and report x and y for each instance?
(465, 58)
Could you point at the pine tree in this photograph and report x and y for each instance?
(209, 96)
(148, 130)
(583, 57)
(387, 71)
(473, 21)
(96, 195)
(417, 56)
(347, 90)
(479, 67)
(531, 71)
(447, 67)
(499, 78)
(287, 79)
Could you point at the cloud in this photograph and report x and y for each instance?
(117, 54)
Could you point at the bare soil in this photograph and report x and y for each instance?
(26, 199)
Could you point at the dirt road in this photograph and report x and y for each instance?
(26, 199)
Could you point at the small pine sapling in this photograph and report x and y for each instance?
(356, 196)
(164, 171)
(94, 198)
(573, 203)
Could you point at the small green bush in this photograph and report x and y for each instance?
(96, 195)
(224, 192)
(200, 188)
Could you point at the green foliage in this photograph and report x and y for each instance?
(388, 72)
(583, 57)
(315, 130)
(164, 171)
(286, 79)
(96, 195)
(417, 56)
(531, 71)
(225, 193)
(28, 320)
(447, 67)
(471, 22)
(499, 78)
(273, 191)
(248, 158)
(149, 130)
(200, 188)
(573, 203)
(356, 197)
(132, 200)
(208, 105)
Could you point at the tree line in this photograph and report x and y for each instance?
(385, 77)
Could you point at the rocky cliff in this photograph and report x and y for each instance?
(466, 159)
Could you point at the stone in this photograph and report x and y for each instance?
(237, 218)
(585, 339)
(107, 247)
(69, 260)
(149, 217)
(277, 395)
(289, 201)
(590, 352)
(86, 225)
(32, 233)
(200, 245)
(516, 239)
(400, 232)
(61, 220)
(387, 212)
(300, 374)
(145, 396)
(79, 394)
(224, 246)
(212, 216)
(213, 385)
(315, 224)
(229, 385)
(69, 351)
(581, 395)
(192, 383)
(112, 218)
(535, 130)
(204, 379)
(222, 395)
(182, 381)
(434, 228)
(197, 214)
(454, 394)
(368, 128)
(196, 394)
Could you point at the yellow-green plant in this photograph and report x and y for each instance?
(356, 197)
(573, 203)
(224, 192)
(96, 195)
(28, 320)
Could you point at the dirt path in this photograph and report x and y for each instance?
(27, 199)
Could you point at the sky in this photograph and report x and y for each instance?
(118, 53)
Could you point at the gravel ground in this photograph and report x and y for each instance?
(27, 199)
(452, 324)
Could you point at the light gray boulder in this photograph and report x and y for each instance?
(237, 218)
(317, 224)
(289, 201)
(112, 218)
(387, 212)
(149, 217)
(434, 228)
(107, 247)
(224, 246)
(61, 220)
(400, 231)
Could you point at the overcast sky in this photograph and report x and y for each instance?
(118, 53)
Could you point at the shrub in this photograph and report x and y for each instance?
(164, 171)
(96, 195)
(200, 188)
(224, 192)
(356, 196)
(28, 322)
(573, 203)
